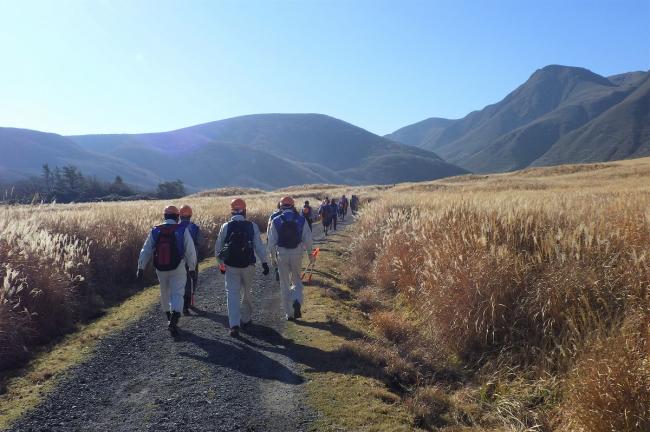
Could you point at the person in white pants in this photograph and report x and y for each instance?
(288, 240)
(237, 245)
(170, 264)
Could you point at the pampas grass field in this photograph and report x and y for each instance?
(509, 302)
(513, 302)
(65, 263)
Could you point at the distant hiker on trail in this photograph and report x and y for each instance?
(237, 244)
(195, 232)
(335, 212)
(268, 227)
(308, 213)
(275, 213)
(354, 204)
(288, 242)
(343, 207)
(325, 212)
(172, 249)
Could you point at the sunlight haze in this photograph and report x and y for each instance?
(74, 67)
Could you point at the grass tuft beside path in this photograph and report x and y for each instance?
(345, 393)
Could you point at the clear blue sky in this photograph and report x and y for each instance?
(138, 66)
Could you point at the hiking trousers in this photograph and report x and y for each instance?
(172, 288)
(190, 286)
(239, 284)
(290, 267)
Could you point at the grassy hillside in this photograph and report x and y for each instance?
(559, 115)
(25, 151)
(271, 151)
(621, 132)
(512, 302)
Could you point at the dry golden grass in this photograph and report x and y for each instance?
(79, 258)
(527, 281)
(82, 258)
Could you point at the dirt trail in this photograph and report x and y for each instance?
(142, 380)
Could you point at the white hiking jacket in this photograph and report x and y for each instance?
(190, 252)
(260, 250)
(306, 243)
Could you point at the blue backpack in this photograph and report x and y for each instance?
(193, 229)
(289, 227)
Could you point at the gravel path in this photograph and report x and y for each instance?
(143, 380)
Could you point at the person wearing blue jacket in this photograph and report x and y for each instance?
(171, 248)
(191, 282)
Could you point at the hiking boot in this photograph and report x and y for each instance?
(296, 309)
(169, 317)
(173, 323)
(234, 332)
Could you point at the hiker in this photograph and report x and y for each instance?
(308, 213)
(335, 212)
(268, 227)
(191, 282)
(288, 242)
(344, 204)
(172, 249)
(325, 212)
(237, 244)
(354, 204)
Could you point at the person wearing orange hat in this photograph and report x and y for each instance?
(288, 241)
(237, 245)
(171, 247)
(195, 232)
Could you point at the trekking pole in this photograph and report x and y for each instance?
(192, 288)
(315, 254)
(310, 267)
(302, 277)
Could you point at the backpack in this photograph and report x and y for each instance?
(238, 250)
(169, 246)
(289, 227)
(194, 231)
(325, 211)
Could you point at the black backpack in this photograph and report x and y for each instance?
(238, 250)
(289, 226)
(169, 247)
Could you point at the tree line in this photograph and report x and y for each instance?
(68, 184)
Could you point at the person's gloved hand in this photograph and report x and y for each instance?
(312, 259)
(139, 275)
(192, 274)
(266, 270)
(222, 269)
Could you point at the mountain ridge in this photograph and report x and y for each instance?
(260, 150)
(521, 128)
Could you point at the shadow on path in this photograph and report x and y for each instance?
(240, 357)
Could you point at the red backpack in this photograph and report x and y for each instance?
(168, 250)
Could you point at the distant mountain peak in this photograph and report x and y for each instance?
(569, 73)
(541, 115)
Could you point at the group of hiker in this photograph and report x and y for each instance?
(173, 246)
(332, 210)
